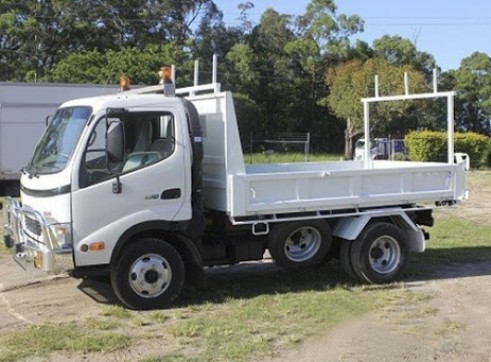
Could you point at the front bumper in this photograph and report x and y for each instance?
(31, 239)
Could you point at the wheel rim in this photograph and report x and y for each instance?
(385, 255)
(303, 244)
(150, 275)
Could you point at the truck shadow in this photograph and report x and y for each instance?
(450, 263)
(99, 289)
(252, 279)
(246, 280)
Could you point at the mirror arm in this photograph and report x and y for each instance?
(117, 185)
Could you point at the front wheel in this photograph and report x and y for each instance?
(380, 254)
(148, 274)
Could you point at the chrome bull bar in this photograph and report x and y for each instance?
(30, 248)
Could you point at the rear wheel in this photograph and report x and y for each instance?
(380, 254)
(148, 274)
(300, 243)
(345, 258)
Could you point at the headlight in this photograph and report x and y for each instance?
(61, 236)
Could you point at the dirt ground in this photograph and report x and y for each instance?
(450, 322)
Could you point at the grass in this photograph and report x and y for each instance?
(455, 240)
(241, 317)
(44, 339)
(248, 314)
(479, 180)
(450, 328)
(248, 324)
(250, 327)
(116, 312)
(289, 157)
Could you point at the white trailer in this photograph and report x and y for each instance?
(150, 188)
(24, 108)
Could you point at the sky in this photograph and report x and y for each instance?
(450, 30)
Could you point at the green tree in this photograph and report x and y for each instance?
(241, 72)
(245, 23)
(322, 39)
(360, 50)
(289, 56)
(273, 94)
(241, 75)
(181, 15)
(35, 35)
(401, 51)
(473, 85)
(432, 113)
(351, 81)
(213, 38)
(307, 86)
(141, 65)
(325, 26)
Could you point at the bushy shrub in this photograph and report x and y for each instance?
(432, 146)
(399, 156)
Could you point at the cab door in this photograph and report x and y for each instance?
(152, 179)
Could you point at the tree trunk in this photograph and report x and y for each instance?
(348, 140)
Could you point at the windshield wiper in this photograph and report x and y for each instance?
(29, 173)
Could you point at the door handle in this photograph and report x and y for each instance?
(170, 194)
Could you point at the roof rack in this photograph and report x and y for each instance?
(405, 97)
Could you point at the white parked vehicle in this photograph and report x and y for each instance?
(150, 188)
(22, 106)
(380, 148)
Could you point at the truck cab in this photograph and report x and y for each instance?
(108, 166)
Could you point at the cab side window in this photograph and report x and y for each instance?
(151, 139)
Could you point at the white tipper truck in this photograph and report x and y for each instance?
(149, 186)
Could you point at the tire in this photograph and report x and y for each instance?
(300, 243)
(148, 274)
(333, 252)
(380, 254)
(345, 258)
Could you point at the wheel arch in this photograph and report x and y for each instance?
(349, 228)
(186, 248)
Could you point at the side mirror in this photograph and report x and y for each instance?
(115, 141)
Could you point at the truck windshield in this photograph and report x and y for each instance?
(58, 142)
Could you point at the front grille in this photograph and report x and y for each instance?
(33, 226)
